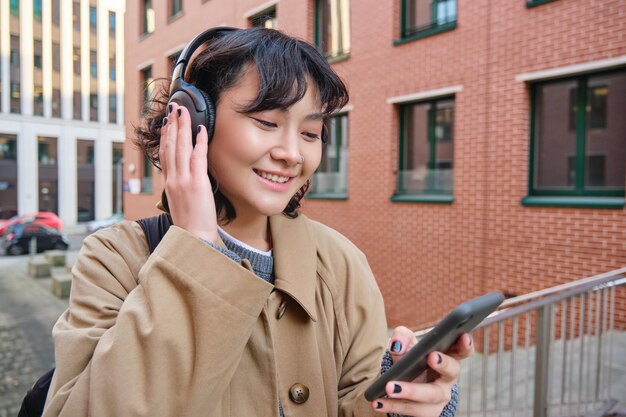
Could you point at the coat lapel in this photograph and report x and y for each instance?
(295, 260)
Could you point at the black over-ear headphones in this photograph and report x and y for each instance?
(200, 106)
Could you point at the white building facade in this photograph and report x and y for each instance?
(61, 107)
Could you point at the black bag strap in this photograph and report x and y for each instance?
(155, 228)
(35, 399)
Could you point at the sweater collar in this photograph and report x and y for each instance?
(295, 260)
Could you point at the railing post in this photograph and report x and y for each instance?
(542, 358)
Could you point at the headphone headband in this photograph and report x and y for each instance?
(180, 67)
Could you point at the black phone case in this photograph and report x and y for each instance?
(462, 319)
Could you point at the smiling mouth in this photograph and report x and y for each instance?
(272, 177)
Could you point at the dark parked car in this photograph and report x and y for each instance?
(17, 238)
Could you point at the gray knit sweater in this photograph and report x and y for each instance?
(263, 266)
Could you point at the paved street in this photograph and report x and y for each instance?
(28, 311)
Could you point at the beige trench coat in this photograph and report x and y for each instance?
(188, 332)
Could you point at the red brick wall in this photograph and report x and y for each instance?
(427, 257)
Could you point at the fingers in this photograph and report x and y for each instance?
(446, 366)
(183, 137)
(412, 399)
(423, 398)
(163, 147)
(176, 148)
(401, 341)
(199, 154)
(463, 348)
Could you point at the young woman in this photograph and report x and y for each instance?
(245, 308)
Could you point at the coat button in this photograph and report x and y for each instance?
(299, 393)
(281, 310)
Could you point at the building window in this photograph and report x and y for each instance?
(332, 28)
(15, 97)
(8, 175)
(117, 152)
(112, 25)
(93, 64)
(14, 74)
(331, 178)
(48, 174)
(15, 8)
(147, 87)
(112, 70)
(37, 10)
(112, 74)
(56, 13)
(93, 20)
(76, 16)
(425, 17)
(8, 148)
(148, 17)
(112, 109)
(265, 19)
(56, 102)
(38, 100)
(426, 149)
(176, 7)
(77, 105)
(85, 180)
(93, 107)
(56, 76)
(533, 3)
(76, 59)
(577, 136)
(37, 46)
(146, 180)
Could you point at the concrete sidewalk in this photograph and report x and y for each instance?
(28, 310)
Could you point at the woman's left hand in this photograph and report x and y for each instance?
(429, 393)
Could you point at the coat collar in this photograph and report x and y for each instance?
(295, 260)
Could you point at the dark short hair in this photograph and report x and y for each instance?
(283, 64)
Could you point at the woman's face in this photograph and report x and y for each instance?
(257, 158)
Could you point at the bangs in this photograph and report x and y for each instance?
(285, 67)
(284, 64)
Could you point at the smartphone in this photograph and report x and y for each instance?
(442, 337)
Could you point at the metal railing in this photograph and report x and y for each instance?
(556, 352)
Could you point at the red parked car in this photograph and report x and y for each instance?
(46, 218)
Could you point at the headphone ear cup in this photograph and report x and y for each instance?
(210, 114)
(200, 107)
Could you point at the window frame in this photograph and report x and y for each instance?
(432, 30)
(268, 12)
(144, 27)
(534, 3)
(432, 195)
(338, 128)
(173, 14)
(579, 196)
(341, 55)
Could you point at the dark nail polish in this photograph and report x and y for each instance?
(396, 347)
(179, 111)
(199, 128)
(379, 405)
(439, 359)
(397, 388)
(164, 121)
(169, 108)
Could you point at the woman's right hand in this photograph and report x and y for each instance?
(187, 184)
